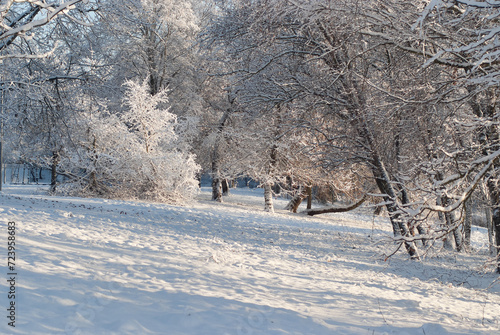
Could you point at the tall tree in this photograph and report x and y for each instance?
(317, 52)
(463, 35)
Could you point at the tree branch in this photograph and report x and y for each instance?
(336, 209)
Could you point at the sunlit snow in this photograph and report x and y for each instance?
(92, 266)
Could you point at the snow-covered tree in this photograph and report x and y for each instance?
(463, 37)
(167, 170)
(135, 155)
(326, 57)
(156, 38)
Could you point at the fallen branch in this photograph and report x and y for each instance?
(336, 209)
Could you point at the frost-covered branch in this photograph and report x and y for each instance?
(51, 11)
(469, 32)
(29, 56)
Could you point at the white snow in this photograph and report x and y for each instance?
(93, 266)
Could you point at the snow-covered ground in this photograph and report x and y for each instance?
(93, 266)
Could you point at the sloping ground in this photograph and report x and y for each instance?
(92, 266)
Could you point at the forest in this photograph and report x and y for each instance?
(389, 103)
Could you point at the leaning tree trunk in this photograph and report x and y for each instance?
(354, 96)
(399, 225)
(405, 200)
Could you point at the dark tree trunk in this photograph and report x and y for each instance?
(53, 175)
(93, 175)
(496, 227)
(405, 200)
(225, 187)
(216, 176)
(216, 185)
(378, 210)
(489, 225)
(399, 225)
(217, 160)
(495, 217)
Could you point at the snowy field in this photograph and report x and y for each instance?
(92, 266)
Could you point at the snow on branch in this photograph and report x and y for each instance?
(52, 12)
(480, 4)
(489, 163)
(477, 41)
(28, 56)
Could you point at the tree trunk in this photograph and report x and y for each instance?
(309, 197)
(496, 228)
(268, 186)
(491, 232)
(294, 204)
(494, 193)
(268, 198)
(399, 226)
(216, 177)
(93, 175)
(405, 200)
(457, 237)
(378, 210)
(449, 239)
(353, 94)
(216, 184)
(53, 175)
(225, 187)
(466, 242)
(488, 136)
(216, 160)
